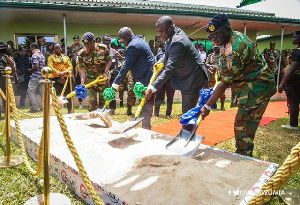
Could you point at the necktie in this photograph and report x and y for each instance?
(43, 50)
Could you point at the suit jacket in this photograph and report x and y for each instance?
(182, 64)
(45, 47)
(139, 59)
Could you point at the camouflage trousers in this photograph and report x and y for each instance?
(93, 92)
(246, 122)
(127, 84)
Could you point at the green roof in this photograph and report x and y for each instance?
(146, 7)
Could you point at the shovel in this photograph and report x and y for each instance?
(123, 127)
(186, 143)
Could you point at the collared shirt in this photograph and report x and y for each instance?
(202, 55)
(59, 64)
(251, 80)
(40, 59)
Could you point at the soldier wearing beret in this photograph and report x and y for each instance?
(291, 84)
(252, 83)
(94, 60)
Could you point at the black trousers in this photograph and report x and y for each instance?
(293, 99)
(59, 87)
(189, 100)
(159, 96)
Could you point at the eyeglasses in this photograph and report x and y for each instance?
(216, 35)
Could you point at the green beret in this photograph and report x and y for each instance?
(76, 37)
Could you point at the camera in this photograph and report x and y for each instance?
(3, 48)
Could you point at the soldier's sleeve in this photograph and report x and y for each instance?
(108, 57)
(81, 64)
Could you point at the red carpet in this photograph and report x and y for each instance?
(218, 127)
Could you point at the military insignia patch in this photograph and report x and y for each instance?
(211, 27)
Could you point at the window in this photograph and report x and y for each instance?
(26, 39)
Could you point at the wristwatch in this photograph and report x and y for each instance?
(207, 107)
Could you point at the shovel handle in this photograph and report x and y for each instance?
(99, 79)
(157, 69)
(194, 130)
(140, 107)
(105, 105)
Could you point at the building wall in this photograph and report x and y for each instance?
(287, 44)
(72, 29)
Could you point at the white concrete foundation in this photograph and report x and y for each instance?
(134, 167)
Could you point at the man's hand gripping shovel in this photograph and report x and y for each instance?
(186, 143)
(123, 127)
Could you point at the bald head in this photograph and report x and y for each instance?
(165, 21)
(125, 35)
(125, 31)
(164, 27)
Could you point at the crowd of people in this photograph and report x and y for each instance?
(234, 61)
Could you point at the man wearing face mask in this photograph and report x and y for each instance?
(252, 83)
(183, 65)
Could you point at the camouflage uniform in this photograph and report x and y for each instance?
(272, 54)
(94, 63)
(128, 85)
(252, 84)
(214, 59)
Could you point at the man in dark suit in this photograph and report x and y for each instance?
(139, 60)
(183, 65)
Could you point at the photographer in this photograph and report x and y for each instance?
(5, 61)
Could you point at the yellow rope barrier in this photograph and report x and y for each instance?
(289, 167)
(65, 87)
(2, 94)
(73, 150)
(20, 138)
(2, 133)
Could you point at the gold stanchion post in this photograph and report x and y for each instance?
(55, 198)
(8, 160)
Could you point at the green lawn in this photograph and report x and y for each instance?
(272, 143)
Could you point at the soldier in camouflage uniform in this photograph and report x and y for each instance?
(73, 53)
(126, 85)
(212, 65)
(94, 60)
(272, 57)
(251, 80)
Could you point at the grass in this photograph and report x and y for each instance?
(272, 143)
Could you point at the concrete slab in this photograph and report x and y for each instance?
(135, 168)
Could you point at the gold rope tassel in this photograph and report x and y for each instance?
(73, 150)
(20, 138)
(289, 167)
